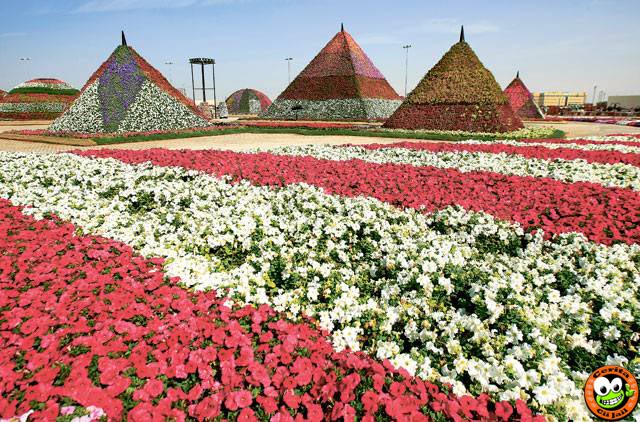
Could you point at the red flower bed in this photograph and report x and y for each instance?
(466, 117)
(38, 98)
(539, 152)
(604, 215)
(84, 321)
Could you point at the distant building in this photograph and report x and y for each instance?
(559, 99)
(627, 102)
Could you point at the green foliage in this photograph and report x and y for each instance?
(43, 90)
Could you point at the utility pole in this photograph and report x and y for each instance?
(406, 67)
(594, 95)
(288, 59)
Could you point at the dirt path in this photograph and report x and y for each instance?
(244, 141)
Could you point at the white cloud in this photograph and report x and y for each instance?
(12, 34)
(97, 6)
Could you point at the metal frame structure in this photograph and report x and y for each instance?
(202, 61)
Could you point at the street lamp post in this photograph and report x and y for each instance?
(406, 67)
(288, 59)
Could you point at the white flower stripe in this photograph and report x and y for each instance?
(584, 147)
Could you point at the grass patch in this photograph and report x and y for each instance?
(43, 90)
(437, 136)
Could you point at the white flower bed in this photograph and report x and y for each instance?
(455, 296)
(41, 84)
(83, 116)
(623, 138)
(348, 109)
(583, 147)
(154, 109)
(611, 175)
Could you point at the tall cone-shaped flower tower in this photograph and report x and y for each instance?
(340, 83)
(127, 94)
(458, 93)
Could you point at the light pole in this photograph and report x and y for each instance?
(26, 60)
(288, 59)
(170, 72)
(594, 95)
(406, 67)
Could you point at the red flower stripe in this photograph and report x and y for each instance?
(85, 321)
(539, 152)
(603, 214)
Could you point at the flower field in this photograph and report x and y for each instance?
(412, 281)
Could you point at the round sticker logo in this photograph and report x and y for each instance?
(611, 393)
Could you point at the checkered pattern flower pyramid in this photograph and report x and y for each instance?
(341, 82)
(458, 93)
(43, 98)
(521, 100)
(127, 94)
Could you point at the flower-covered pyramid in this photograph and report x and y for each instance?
(341, 82)
(44, 98)
(521, 100)
(247, 101)
(127, 94)
(458, 93)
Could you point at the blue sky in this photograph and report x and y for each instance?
(556, 45)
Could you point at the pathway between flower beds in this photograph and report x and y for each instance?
(85, 321)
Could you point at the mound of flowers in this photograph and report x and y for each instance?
(458, 93)
(37, 99)
(88, 324)
(340, 83)
(247, 101)
(521, 100)
(126, 94)
(455, 296)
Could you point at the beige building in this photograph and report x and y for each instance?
(628, 102)
(559, 99)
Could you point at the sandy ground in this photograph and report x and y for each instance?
(244, 141)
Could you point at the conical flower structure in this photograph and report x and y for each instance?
(458, 93)
(43, 98)
(521, 100)
(247, 101)
(127, 94)
(340, 83)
